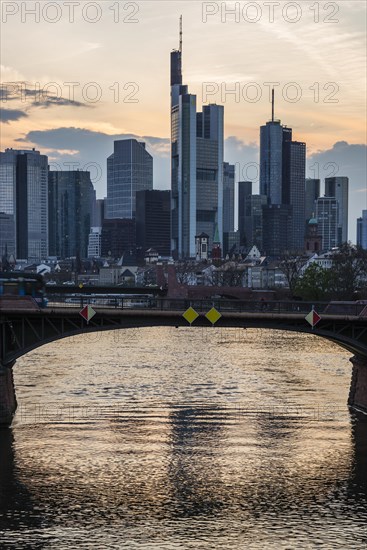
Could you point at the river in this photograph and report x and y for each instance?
(193, 438)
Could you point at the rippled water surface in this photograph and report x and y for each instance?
(184, 438)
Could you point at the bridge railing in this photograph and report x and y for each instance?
(203, 306)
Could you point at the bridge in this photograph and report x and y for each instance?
(24, 327)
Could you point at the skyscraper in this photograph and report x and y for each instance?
(153, 221)
(293, 190)
(244, 193)
(228, 197)
(254, 221)
(196, 165)
(23, 196)
(312, 193)
(71, 198)
(129, 169)
(362, 230)
(272, 137)
(282, 179)
(118, 237)
(209, 171)
(338, 187)
(277, 222)
(327, 219)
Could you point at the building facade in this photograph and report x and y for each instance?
(244, 194)
(327, 219)
(254, 221)
(293, 191)
(282, 180)
(23, 195)
(71, 199)
(153, 221)
(118, 237)
(277, 223)
(362, 230)
(338, 187)
(129, 170)
(228, 197)
(94, 242)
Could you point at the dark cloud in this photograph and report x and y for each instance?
(9, 115)
(18, 91)
(89, 146)
(59, 101)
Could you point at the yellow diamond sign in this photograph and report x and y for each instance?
(190, 315)
(213, 315)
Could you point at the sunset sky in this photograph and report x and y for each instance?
(308, 58)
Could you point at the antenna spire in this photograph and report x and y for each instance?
(272, 104)
(180, 49)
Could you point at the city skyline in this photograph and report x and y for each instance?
(81, 132)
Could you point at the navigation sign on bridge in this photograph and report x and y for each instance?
(87, 313)
(313, 318)
(190, 315)
(213, 316)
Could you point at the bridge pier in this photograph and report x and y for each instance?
(8, 400)
(358, 389)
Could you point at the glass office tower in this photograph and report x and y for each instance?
(23, 195)
(129, 170)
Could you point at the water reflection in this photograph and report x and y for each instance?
(212, 449)
(199, 463)
(358, 474)
(194, 472)
(16, 501)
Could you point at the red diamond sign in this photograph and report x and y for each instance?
(313, 318)
(87, 313)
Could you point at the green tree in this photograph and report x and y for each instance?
(349, 271)
(291, 268)
(315, 284)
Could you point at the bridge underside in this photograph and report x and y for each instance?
(22, 332)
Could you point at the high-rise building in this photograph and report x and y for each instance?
(23, 195)
(71, 200)
(228, 197)
(293, 190)
(282, 178)
(7, 234)
(196, 165)
(118, 237)
(209, 171)
(254, 221)
(244, 193)
(272, 138)
(362, 230)
(94, 242)
(231, 243)
(338, 187)
(153, 221)
(99, 213)
(7, 206)
(312, 193)
(129, 169)
(327, 220)
(277, 223)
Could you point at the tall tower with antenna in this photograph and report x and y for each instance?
(183, 160)
(196, 165)
(282, 180)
